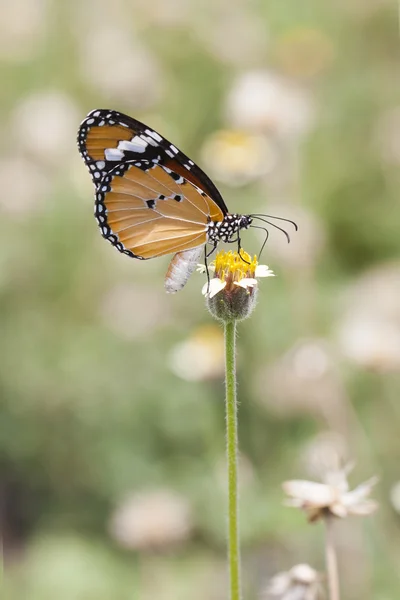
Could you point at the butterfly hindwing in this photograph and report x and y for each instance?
(146, 210)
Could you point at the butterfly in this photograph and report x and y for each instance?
(151, 199)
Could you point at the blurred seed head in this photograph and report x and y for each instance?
(305, 379)
(303, 52)
(306, 244)
(301, 582)
(22, 195)
(121, 310)
(262, 101)
(333, 498)
(153, 520)
(326, 453)
(23, 29)
(201, 356)
(237, 157)
(369, 328)
(234, 37)
(119, 67)
(42, 125)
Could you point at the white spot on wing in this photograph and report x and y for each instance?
(154, 135)
(133, 146)
(100, 164)
(113, 154)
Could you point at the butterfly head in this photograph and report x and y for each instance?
(227, 230)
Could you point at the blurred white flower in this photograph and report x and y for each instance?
(263, 101)
(151, 520)
(333, 497)
(302, 582)
(326, 452)
(24, 186)
(118, 66)
(306, 244)
(166, 13)
(121, 310)
(369, 329)
(304, 52)
(43, 123)
(201, 356)
(305, 379)
(234, 36)
(236, 157)
(23, 28)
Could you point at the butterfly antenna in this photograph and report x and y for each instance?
(273, 225)
(258, 215)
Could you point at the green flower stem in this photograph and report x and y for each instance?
(232, 458)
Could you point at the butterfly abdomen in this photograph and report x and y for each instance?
(180, 269)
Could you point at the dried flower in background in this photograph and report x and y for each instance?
(201, 356)
(117, 309)
(151, 520)
(237, 157)
(23, 28)
(333, 497)
(28, 193)
(369, 329)
(303, 52)
(118, 66)
(306, 247)
(264, 101)
(301, 582)
(305, 380)
(42, 124)
(326, 452)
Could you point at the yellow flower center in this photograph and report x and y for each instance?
(234, 266)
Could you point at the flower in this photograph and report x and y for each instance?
(231, 293)
(237, 157)
(262, 101)
(154, 519)
(332, 497)
(301, 582)
(201, 357)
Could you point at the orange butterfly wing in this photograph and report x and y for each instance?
(151, 199)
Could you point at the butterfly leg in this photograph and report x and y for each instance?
(215, 244)
(239, 241)
(206, 266)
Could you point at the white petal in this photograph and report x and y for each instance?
(202, 268)
(264, 271)
(246, 282)
(212, 288)
(314, 494)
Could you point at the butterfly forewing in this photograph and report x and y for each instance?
(151, 199)
(107, 137)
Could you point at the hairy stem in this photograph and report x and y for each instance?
(232, 459)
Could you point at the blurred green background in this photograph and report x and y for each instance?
(112, 416)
